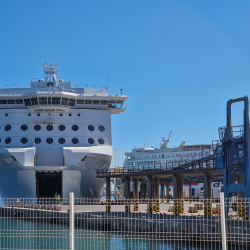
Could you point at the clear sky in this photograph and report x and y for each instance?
(207, 43)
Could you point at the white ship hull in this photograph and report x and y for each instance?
(20, 181)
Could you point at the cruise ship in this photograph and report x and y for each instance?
(165, 155)
(53, 137)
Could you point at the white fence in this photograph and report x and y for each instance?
(158, 224)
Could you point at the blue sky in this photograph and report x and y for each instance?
(207, 43)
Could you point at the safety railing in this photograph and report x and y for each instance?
(202, 159)
(79, 223)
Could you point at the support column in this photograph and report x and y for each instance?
(108, 189)
(149, 186)
(162, 190)
(207, 186)
(167, 189)
(190, 189)
(157, 183)
(136, 188)
(127, 187)
(178, 186)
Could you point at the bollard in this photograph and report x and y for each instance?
(176, 208)
(150, 207)
(244, 211)
(136, 206)
(239, 208)
(127, 206)
(167, 199)
(157, 206)
(108, 206)
(181, 206)
(190, 199)
(162, 199)
(208, 209)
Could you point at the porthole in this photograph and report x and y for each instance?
(91, 128)
(8, 140)
(75, 127)
(49, 127)
(29, 114)
(61, 114)
(37, 140)
(79, 114)
(6, 114)
(37, 127)
(24, 140)
(101, 141)
(7, 127)
(49, 140)
(101, 128)
(61, 127)
(61, 140)
(24, 127)
(75, 140)
(0, 139)
(38, 114)
(70, 114)
(91, 141)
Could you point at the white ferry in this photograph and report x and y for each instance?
(53, 137)
(165, 155)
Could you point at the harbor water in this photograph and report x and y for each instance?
(23, 234)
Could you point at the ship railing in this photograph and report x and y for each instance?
(226, 133)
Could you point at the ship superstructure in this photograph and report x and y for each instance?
(53, 137)
(164, 155)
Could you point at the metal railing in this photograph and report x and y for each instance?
(202, 159)
(124, 224)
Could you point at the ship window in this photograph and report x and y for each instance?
(91, 128)
(61, 127)
(103, 102)
(42, 100)
(19, 101)
(49, 140)
(79, 114)
(65, 101)
(101, 141)
(8, 140)
(3, 101)
(49, 100)
(70, 114)
(37, 127)
(27, 102)
(61, 140)
(61, 114)
(37, 140)
(75, 140)
(24, 127)
(6, 114)
(119, 104)
(34, 101)
(38, 114)
(7, 127)
(75, 127)
(96, 102)
(49, 127)
(72, 102)
(50, 84)
(101, 128)
(29, 114)
(112, 104)
(91, 141)
(24, 140)
(11, 101)
(56, 100)
(79, 101)
(88, 101)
